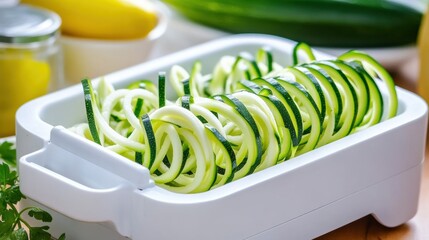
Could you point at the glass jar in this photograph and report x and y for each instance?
(30, 59)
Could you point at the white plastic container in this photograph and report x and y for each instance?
(96, 194)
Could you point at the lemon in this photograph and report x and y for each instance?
(22, 78)
(103, 19)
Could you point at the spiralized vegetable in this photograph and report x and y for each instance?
(249, 114)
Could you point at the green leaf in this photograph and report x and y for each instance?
(8, 153)
(40, 214)
(19, 234)
(3, 236)
(62, 237)
(4, 173)
(8, 218)
(7, 177)
(2, 203)
(40, 233)
(13, 195)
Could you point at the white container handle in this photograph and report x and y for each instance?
(82, 180)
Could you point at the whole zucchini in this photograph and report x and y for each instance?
(329, 23)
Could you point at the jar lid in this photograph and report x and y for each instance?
(25, 24)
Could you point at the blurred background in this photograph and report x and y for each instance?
(46, 45)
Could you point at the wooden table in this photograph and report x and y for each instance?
(368, 228)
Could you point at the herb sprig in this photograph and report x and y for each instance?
(12, 224)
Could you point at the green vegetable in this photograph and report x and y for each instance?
(248, 114)
(12, 224)
(89, 105)
(8, 153)
(329, 23)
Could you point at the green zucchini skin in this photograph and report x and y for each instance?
(326, 23)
